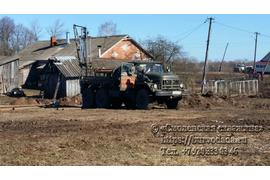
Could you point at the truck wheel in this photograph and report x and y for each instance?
(102, 98)
(174, 104)
(88, 98)
(142, 99)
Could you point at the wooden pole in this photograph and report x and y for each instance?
(223, 57)
(206, 55)
(57, 86)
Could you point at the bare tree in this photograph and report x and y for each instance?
(163, 49)
(36, 29)
(56, 30)
(108, 29)
(21, 38)
(7, 27)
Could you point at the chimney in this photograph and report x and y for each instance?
(99, 50)
(67, 38)
(53, 41)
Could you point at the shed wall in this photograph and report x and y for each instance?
(49, 85)
(68, 86)
(72, 87)
(9, 76)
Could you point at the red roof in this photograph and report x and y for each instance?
(262, 62)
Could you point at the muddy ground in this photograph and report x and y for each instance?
(74, 136)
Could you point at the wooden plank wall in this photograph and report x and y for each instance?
(9, 76)
(72, 87)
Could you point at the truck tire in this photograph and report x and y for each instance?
(142, 99)
(174, 104)
(102, 98)
(88, 98)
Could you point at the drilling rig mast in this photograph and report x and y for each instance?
(82, 47)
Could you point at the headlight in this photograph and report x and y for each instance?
(181, 85)
(154, 86)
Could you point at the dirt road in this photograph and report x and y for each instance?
(123, 137)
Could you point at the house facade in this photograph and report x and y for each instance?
(263, 64)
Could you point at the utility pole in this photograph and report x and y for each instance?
(255, 50)
(206, 55)
(223, 57)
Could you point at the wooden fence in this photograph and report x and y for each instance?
(227, 87)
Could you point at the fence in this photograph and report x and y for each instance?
(226, 87)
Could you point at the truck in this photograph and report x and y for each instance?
(137, 84)
(244, 69)
(239, 68)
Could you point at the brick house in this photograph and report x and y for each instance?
(34, 57)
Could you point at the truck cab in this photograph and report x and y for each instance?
(146, 82)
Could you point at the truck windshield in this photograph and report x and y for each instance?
(152, 68)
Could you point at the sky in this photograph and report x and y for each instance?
(186, 26)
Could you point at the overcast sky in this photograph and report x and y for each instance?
(169, 19)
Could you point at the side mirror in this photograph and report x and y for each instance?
(168, 69)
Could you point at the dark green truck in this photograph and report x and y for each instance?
(136, 84)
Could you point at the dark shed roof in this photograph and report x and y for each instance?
(107, 63)
(71, 68)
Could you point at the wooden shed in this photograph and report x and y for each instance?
(60, 78)
(9, 74)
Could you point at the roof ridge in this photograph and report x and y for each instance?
(110, 36)
(88, 36)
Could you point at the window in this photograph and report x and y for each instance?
(114, 54)
(137, 54)
(125, 47)
(152, 68)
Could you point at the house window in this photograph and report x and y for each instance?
(125, 47)
(137, 54)
(114, 54)
(257, 66)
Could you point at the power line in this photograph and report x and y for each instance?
(191, 32)
(193, 29)
(241, 29)
(265, 35)
(235, 28)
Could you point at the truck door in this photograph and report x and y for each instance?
(128, 76)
